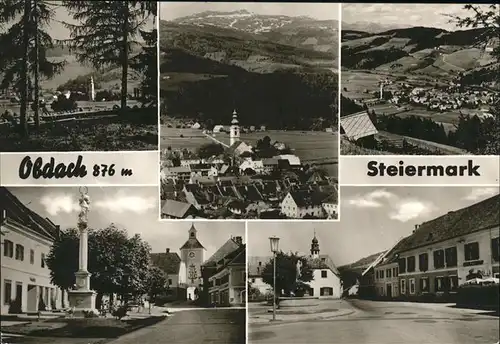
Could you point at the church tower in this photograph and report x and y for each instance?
(92, 89)
(234, 135)
(192, 256)
(314, 247)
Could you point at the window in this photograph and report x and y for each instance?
(412, 285)
(376, 274)
(438, 259)
(32, 256)
(424, 284)
(253, 280)
(19, 252)
(451, 257)
(403, 286)
(8, 248)
(410, 262)
(495, 248)
(388, 273)
(42, 264)
(381, 273)
(324, 274)
(402, 265)
(423, 262)
(397, 272)
(439, 285)
(169, 281)
(471, 251)
(7, 292)
(453, 283)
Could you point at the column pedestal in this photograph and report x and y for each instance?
(82, 298)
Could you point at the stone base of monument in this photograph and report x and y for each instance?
(81, 302)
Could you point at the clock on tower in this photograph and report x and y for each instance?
(192, 254)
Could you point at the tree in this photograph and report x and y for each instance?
(286, 273)
(117, 264)
(28, 33)
(106, 32)
(146, 63)
(209, 150)
(156, 283)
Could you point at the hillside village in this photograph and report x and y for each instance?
(241, 181)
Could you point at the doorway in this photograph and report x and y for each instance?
(19, 295)
(389, 290)
(32, 305)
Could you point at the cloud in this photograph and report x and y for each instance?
(121, 203)
(407, 210)
(477, 194)
(371, 200)
(59, 203)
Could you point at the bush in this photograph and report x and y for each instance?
(90, 314)
(120, 312)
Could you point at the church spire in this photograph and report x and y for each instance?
(192, 231)
(315, 246)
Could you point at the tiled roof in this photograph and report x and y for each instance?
(21, 214)
(362, 263)
(357, 126)
(229, 246)
(482, 215)
(308, 198)
(175, 208)
(323, 262)
(169, 262)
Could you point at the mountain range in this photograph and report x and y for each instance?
(254, 42)
(422, 50)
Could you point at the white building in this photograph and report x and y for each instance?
(300, 204)
(26, 241)
(234, 134)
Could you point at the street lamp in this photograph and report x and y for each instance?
(274, 240)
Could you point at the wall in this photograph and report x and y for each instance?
(331, 280)
(32, 277)
(258, 283)
(381, 288)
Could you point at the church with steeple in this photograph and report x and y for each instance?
(326, 282)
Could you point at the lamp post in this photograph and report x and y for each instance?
(274, 241)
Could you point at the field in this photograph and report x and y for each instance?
(356, 82)
(397, 140)
(310, 147)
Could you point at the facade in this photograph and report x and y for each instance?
(300, 204)
(443, 253)
(26, 242)
(255, 267)
(192, 256)
(326, 281)
(387, 280)
(170, 263)
(224, 274)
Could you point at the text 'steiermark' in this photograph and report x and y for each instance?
(39, 169)
(380, 169)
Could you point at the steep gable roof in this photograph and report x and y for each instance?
(21, 214)
(476, 217)
(169, 262)
(254, 269)
(323, 262)
(357, 126)
(229, 246)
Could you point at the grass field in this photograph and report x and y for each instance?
(356, 82)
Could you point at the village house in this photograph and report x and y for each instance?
(238, 148)
(178, 173)
(255, 165)
(170, 262)
(255, 267)
(203, 170)
(224, 274)
(300, 204)
(171, 209)
(26, 241)
(443, 253)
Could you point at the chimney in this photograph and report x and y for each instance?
(167, 250)
(238, 240)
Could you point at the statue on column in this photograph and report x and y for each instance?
(298, 272)
(84, 209)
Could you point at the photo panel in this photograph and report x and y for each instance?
(78, 85)
(249, 110)
(415, 268)
(72, 253)
(419, 79)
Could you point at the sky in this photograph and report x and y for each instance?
(57, 30)
(132, 208)
(430, 15)
(172, 10)
(372, 220)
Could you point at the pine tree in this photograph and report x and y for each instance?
(106, 32)
(147, 64)
(19, 57)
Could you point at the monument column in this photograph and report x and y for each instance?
(82, 298)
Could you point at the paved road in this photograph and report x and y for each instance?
(387, 323)
(217, 326)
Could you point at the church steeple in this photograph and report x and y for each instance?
(192, 232)
(315, 246)
(234, 135)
